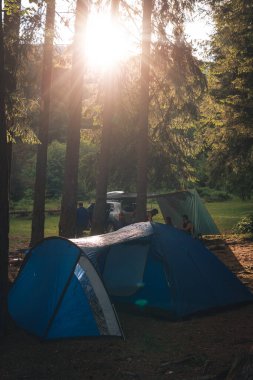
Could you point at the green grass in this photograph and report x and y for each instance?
(22, 226)
(227, 214)
(20, 230)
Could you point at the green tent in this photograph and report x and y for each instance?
(187, 202)
(175, 204)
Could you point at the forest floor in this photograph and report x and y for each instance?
(200, 348)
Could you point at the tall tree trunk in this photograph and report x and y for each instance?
(11, 48)
(142, 143)
(99, 215)
(38, 218)
(4, 192)
(69, 197)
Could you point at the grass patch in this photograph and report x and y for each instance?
(20, 230)
(227, 214)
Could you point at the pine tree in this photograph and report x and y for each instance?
(69, 197)
(99, 215)
(231, 88)
(142, 144)
(4, 191)
(38, 219)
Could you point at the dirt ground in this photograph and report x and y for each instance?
(201, 348)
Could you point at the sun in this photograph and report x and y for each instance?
(107, 43)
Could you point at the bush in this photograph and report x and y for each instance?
(245, 225)
(211, 195)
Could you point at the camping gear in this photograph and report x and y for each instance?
(187, 202)
(151, 266)
(59, 294)
(156, 266)
(175, 205)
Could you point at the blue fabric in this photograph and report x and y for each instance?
(199, 281)
(128, 276)
(82, 218)
(181, 275)
(153, 290)
(53, 295)
(74, 317)
(38, 288)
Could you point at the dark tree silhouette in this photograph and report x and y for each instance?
(4, 192)
(69, 197)
(142, 143)
(38, 218)
(98, 221)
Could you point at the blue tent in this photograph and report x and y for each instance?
(161, 267)
(58, 294)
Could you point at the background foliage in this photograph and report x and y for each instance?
(200, 112)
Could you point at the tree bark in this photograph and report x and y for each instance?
(69, 197)
(38, 218)
(142, 143)
(4, 192)
(99, 215)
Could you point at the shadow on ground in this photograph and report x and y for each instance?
(236, 254)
